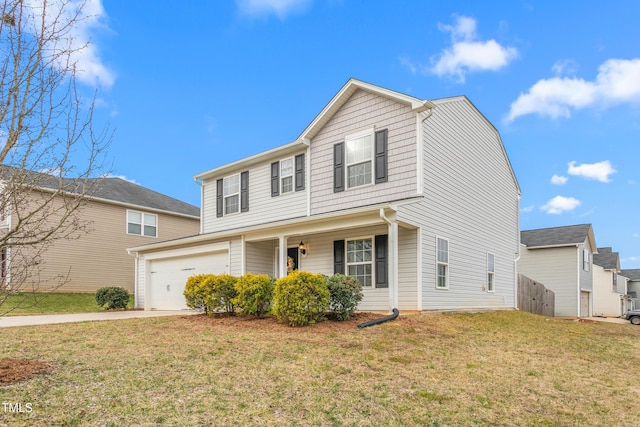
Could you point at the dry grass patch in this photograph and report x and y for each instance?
(503, 368)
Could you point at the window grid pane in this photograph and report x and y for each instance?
(443, 251)
(150, 230)
(287, 184)
(491, 263)
(134, 228)
(231, 185)
(231, 204)
(442, 276)
(359, 160)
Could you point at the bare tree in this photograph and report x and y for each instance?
(49, 150)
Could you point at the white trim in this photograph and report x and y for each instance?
(419, 154)
(448, 271)
(307, 180)
(419, 278)
(372, 263)
(243, 257)
(142, 223)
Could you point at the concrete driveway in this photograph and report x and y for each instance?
(50, 319)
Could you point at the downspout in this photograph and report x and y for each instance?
(393, 258)
(201, 185)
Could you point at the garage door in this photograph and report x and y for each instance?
(169, 275)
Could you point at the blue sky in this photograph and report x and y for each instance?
(189, 86)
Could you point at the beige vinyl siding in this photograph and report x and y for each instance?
(557, 270)
(606, 302)
(263, 208)
(361, 112)
(260, 258)
(99, 258)
(470, 199)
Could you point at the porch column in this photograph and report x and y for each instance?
(393, 263)
(282, 256)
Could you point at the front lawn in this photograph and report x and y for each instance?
(489, 369)
(28, 303)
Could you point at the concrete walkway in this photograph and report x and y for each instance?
(50, 319)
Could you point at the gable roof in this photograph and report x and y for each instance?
(572, 235)
(632, 274)
(607, 259)
(417, 105)
(115, 190)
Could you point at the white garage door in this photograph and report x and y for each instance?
(169, 275)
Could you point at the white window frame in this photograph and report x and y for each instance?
(491, 272)
(292, 175)
(586, 260)
(226, 196)
(445, 264)
(370, 133)
(371, 262)
(143, 224)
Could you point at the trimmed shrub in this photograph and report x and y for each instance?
(254, 294)
(346, 294)
(196, 291)
(222, 293)
(112, 298)
(301, 298)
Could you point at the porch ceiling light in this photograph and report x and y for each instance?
(302, 248)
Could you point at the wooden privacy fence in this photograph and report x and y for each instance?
(534, 298)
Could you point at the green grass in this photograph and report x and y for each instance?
(489, 369)
(29, 303)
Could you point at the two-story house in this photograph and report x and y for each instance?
(415, 198)
(118, 214)
(561, 259)
(610, 298)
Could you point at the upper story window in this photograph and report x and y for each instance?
(491, 272)
(442, 268)
(286, 175)
(586, 260)
(360, 160)
(142, 224)
(231, 194)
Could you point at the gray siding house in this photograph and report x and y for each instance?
(561, 259)
(633, 285)
(415, 198)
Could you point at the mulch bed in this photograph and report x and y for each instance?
(16, 370)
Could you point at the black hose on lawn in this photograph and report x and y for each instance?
(392, 316)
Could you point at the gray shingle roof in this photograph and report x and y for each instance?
(607, 259)
(555, 236)
(114, 189)
(633, 274)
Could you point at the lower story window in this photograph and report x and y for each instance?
(360, 260)
(491, 271)
(442, 249)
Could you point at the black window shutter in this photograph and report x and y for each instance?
(275, 179)
(338, 256)
(299, 161)
(381, 156)
(338, 167)
(219, 199)
(382, 270)
(244, 191)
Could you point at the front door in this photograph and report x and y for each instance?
(292, 259)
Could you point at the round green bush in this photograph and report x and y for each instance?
(222, 292)
(195, 292)
(254, 294)
(346, 294)
(301, 298)
(112, 298)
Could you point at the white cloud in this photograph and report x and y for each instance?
(560, 204)
(467, 54)
(282, 8)
(75, 22)
(108, 175)
(566, 66)
(528, 209)
(617, 82)
(595, 171)
(559, 180)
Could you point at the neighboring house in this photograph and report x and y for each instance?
(415, 198)
(119, 214)
(610, 298)
(633, 285)
(561, 259)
